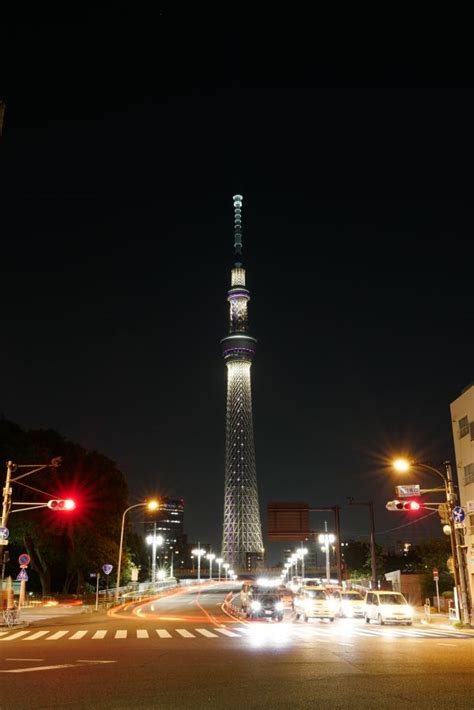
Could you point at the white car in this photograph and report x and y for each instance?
(352, 604)
(314, 603)
(387, 607)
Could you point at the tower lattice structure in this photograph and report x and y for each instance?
(242, 532)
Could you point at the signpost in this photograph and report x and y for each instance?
(107, 569)
(22, 576)
(24, 560)
(436, 580)
(458, 514)
(4, 533)
(407, 491)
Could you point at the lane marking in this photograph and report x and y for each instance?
(91, 662)
(446, 644)
(77, 635)
(100, 634)
(15, 636)
(185, 633)
(39, 668)
(121, 634)
(208, 634)
(163, 634)
(37, 635)
(24, 659)
(225, 632)
(142, 634)
(57, 635)
(4, 633)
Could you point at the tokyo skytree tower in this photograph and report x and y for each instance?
(242, 533)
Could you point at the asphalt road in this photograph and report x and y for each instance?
(183, 651)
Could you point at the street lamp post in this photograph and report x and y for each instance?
(302, 552)
(373, 558)
(199, 552)
(325, 539)
(226, 566)
(457, 538)
(210, 557)
(154, 540)
(219, 561)
(151, 505)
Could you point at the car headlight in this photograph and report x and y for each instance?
(308, 604)
(347, 608)
(332, 604)
(408, 610)
(279, 606)
(255, 606)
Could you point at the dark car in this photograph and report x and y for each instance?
(265, 604)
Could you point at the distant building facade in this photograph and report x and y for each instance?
(462, 417)
(168, 522)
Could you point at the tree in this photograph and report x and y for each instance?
(65, 547)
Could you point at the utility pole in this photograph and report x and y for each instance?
(458, 547)
(373, 557)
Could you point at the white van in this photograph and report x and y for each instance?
(387, 607)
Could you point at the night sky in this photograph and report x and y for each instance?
(122, 147)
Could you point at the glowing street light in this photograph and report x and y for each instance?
(156, 541)
(219, 561)
(211, 556)
(403, 465)
(199, 552)
(226, 566)
(302, 552)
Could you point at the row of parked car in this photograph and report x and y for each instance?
(315, 601)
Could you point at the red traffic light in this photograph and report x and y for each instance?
(62, 504)
(410, 505)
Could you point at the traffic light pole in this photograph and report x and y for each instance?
(457, 546)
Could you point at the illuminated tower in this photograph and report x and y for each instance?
(242, 533)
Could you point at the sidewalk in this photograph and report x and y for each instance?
(438, 620)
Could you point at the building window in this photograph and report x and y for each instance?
(469, 474)
(463, 427)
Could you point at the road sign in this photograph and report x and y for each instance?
(4, 533)
(107, 569)
(458, 514)
(435, 571)
(24, 559)
(408, 490)
(22, 576)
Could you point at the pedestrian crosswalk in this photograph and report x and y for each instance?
(315, 633)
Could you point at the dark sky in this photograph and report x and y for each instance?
(123, 144)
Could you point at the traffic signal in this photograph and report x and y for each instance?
(61, 504)
(407, 505)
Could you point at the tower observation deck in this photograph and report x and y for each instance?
(242, 532)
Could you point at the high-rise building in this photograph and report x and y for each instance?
(462, 416)
(167, 522)
(242, 531)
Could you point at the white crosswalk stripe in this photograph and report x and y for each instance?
(185, 634)
(100, 634)
(77, 636)
(308, 633)
(226, 632)
(57, 635)
(208, 634)
(15, 636)
(35, 636)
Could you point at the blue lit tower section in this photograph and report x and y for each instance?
(242, 533)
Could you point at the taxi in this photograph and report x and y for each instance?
(314, 603)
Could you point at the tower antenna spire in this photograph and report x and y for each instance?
(238, 199)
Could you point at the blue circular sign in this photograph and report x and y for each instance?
(458, 514)
(4, 533)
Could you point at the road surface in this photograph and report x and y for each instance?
(184, 651)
